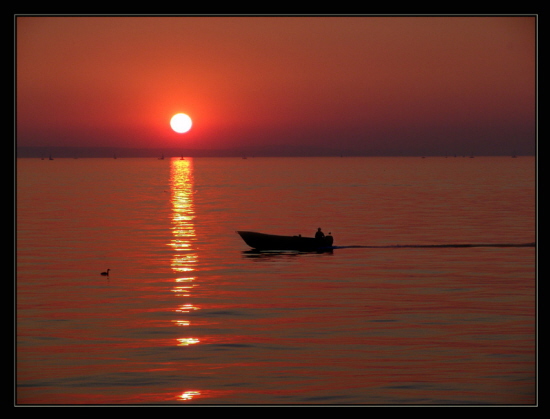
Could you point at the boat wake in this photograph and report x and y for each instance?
(402, 246)
(255, 253)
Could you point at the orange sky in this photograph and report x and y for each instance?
(389, 85)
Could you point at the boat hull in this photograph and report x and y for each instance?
(261, 241)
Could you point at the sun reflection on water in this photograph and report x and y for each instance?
(183, 216)
(188, 395)
(187, 341)
(184, 259)
(186, 308)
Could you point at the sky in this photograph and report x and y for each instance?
(389, 85)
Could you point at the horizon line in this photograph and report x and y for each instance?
(241, 151)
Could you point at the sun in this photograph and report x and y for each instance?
(181, 123)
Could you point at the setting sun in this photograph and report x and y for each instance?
(181, 123)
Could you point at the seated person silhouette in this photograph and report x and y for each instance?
(319, 235)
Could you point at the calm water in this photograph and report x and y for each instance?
(189, 316)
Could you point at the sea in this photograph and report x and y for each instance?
(428, 298)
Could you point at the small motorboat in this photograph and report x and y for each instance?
(262, 241)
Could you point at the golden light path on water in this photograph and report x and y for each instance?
(184, 259)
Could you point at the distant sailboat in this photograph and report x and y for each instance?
(50, 157)
(161, 157)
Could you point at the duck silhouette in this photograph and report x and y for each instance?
(106, 273)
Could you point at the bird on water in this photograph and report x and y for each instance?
(105, 273)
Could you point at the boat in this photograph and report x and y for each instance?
(262, 241)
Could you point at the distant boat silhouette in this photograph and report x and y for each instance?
(106, 273)
(161, 157)
(50, 157)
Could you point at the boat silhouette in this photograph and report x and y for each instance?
(262, 241)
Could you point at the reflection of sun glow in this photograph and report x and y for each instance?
(188, 395)
(183, 231)
(181, 289)
(181, 322)
(186, 308)
(182, 262)
(183, 215)
(187, 341)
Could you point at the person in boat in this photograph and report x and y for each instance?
(319, 235)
